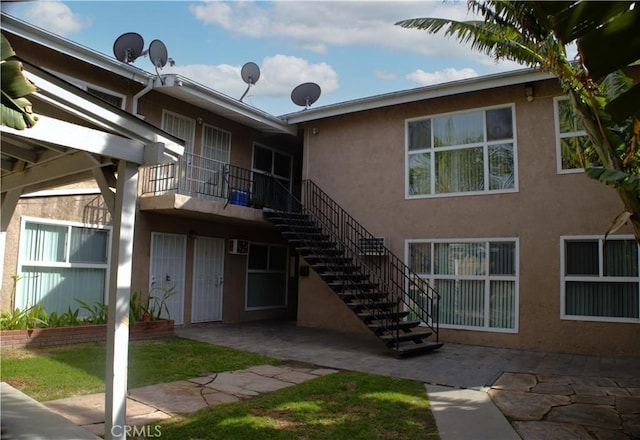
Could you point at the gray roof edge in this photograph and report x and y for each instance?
(519, 76)
(246, 110)
(75, 50)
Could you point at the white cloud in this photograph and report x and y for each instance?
(56, 17)
(386, 76)
(445, 75)
(279, 74)
(317, 26)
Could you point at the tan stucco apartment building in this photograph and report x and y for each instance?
(466, 182)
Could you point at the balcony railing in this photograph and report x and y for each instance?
(196, 176)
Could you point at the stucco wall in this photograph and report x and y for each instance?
(359, 160)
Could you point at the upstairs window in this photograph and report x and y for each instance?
(572, 143)
(600, 279)
(461, 153)
(113, 99)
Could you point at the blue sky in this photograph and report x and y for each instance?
(352, 49)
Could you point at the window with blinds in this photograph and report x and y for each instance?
(60, 262)
(477, 281)
(600, 279)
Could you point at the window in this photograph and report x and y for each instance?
(180, 127)
(60, 262)
(461, 153)
(477, 281)
(600, 279)
(572, 150)
(266, 277)
(272, 162)
(113, 99)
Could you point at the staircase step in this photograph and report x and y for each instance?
(307, 236)
(313, 244)
(326, 252)
(354, 295)
(340, 286)
(344, 277)
(411, 349)
(379, 328)
(392, 338)
(321, 260)
(301, 229)
(369, 317)
(285, 215)
(337, 267)
(358, 306)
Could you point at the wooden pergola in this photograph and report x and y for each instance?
(79, 137)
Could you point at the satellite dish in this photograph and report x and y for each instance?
(250, 73)
(305, 94)
(158, 53)
(128, 47)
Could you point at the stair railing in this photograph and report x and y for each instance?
(394, 277)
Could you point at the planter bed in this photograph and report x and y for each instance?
(47, 337)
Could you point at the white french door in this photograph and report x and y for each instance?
(208, 270)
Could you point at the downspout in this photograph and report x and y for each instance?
(139, 95)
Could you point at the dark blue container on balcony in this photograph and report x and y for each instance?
(238, 197)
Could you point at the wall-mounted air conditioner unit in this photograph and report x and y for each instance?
(376, 246)
(239, 247)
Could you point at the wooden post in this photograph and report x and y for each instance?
(119, 294)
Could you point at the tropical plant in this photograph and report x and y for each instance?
(536, 33)
(98, 313)
(29, 318)
(66, 319)
(149, 307)
(158, 304)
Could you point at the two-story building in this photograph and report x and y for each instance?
(469, 188)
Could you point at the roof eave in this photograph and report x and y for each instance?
(75, 50)
(234, 109)
(419, 94)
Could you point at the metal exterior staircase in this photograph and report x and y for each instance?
(399, 307)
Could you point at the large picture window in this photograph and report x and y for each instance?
(477, 281)
(61, 262)
(600, 279)
(572, 150)
(461, 153)
(266, 277)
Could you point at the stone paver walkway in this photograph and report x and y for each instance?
(542, 407)
(150, 404)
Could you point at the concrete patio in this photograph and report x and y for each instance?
(539, 395)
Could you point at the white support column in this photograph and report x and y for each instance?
(119, 294)
(8, 206)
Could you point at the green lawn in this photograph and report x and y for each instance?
(54, 373)
(338, 406)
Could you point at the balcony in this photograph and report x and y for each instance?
(200, 185)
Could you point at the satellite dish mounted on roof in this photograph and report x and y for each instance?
(128, 47)
(158, 56)
(250, 73)
(305, 94)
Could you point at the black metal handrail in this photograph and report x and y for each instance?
(387, 272)
(197, 176)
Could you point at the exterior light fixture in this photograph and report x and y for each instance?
(528, 91)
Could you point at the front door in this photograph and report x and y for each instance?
(168, 253)
(208, 270)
